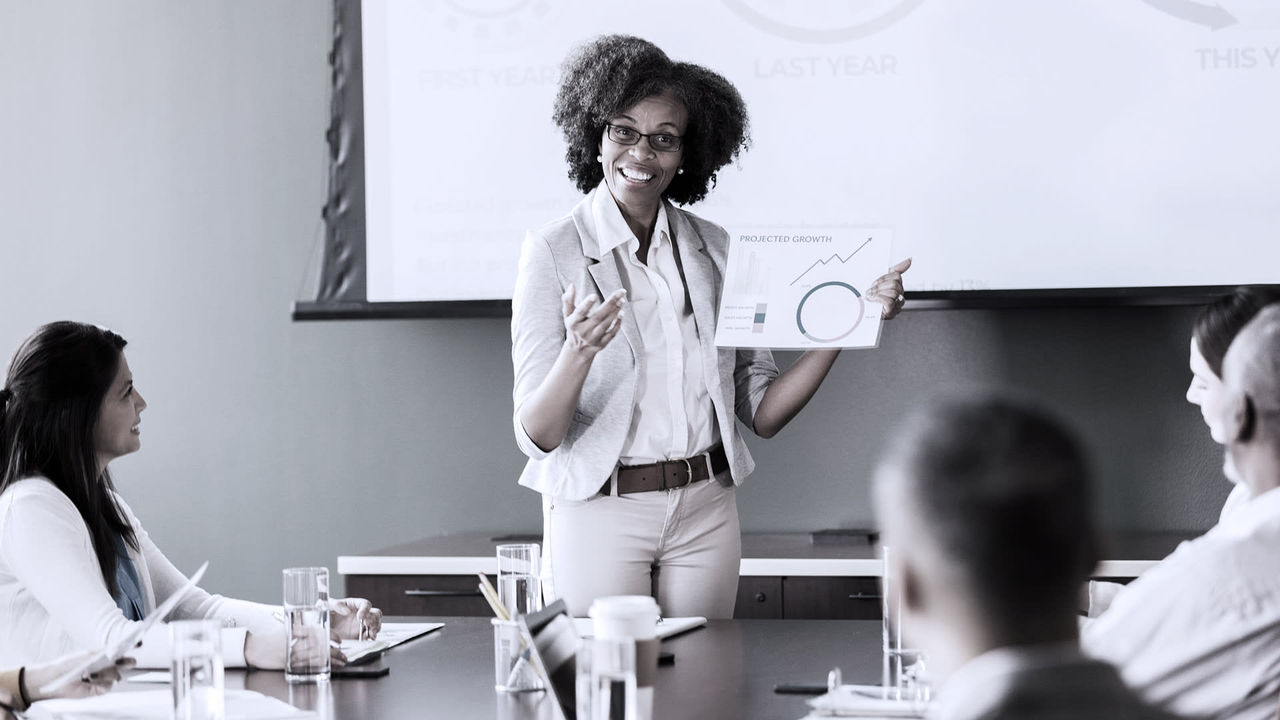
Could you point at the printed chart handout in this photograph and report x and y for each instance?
(802, 287)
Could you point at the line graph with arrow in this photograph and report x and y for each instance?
(802, 287)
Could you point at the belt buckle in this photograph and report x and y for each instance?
(688, 470)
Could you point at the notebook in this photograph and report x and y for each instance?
(391, 635)
(667, 626)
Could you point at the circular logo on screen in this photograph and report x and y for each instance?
(829, 311)
(490, 19)
(821, 22)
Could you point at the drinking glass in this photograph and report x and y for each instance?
(519, 589)
(605, 687)
(306, 618)
(196, 647)
(903, 665)
(513, 672)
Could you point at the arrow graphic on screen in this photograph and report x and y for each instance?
(1214, 17)
(834, 256)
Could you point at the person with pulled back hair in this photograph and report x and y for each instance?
(622, 401)
(77, 569)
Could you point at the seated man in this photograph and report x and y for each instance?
(1199, 634)
(986, 505)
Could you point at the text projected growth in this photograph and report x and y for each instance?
(802, 287)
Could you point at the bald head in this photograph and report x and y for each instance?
(1251, 380)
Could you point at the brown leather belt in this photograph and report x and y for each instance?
(669, 474)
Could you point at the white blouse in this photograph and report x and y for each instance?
(673, 415)
(53, 599)
(1199, 634)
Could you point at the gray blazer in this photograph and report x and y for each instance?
(568, 251)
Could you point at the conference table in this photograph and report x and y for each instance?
(727, 669)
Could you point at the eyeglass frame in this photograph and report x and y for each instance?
(609, 127)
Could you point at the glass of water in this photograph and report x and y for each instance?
(606, 679)
(306, 619)
(904, 675)
(519, 589)
(196, 647)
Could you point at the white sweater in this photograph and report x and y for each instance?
(53, 599)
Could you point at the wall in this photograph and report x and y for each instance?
(163, 175)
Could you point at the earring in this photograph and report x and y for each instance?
(679, 171)
(599, 158)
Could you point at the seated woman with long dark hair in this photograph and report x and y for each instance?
(77, 569)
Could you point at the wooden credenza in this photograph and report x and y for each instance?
(783, 575)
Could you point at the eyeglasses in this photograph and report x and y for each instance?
(662, 142)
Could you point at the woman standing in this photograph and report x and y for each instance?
(631, 439)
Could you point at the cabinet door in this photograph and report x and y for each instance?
(831, 598)
(759, 597)
(421, 594)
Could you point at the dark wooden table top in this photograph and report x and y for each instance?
(725, 670)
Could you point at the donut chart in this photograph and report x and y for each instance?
(834, 311)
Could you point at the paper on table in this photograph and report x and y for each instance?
(156, 676)
(389, 636)
(158, 705)
(667, 626)
(864, 701)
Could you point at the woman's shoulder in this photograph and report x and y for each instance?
(36, 487)
(35, 493)
(38, 490)
(709, 231)
(567, 226)
(563, 226)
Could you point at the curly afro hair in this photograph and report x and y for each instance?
(606, 76)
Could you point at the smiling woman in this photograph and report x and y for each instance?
(607, 423)
(77, 569)
(117, 432)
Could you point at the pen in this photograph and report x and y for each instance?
(491, 596)
(799, 689)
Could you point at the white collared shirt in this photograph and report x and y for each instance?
(1199, 634)
(673, 415)
(1102, 593)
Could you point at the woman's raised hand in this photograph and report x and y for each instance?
(590, 324)
(887, 289)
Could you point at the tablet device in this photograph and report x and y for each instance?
(108, 656)
(552, 640)
(365, 670)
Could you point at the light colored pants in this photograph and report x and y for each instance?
(681, 546)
